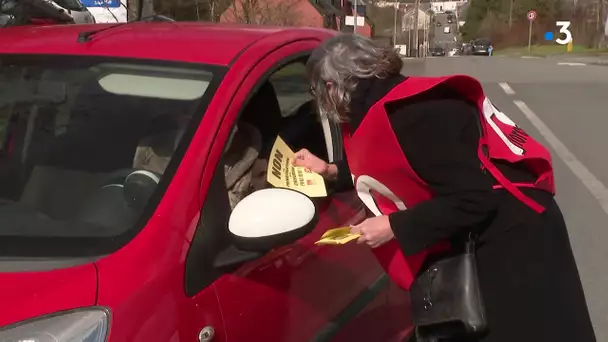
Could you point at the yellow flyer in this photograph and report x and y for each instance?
(337, 236)
(282, 174)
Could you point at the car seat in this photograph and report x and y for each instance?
(242, 168)
(154, 152)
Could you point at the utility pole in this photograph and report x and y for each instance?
(510, 14)
(355, 16)
(422, 53)
(427, 35)
(409, 37)
(600, 24)
(395, 24)
(416, 10)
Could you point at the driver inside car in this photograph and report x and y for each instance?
(244, 171)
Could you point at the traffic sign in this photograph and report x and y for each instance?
(102, 3)
(531, 15)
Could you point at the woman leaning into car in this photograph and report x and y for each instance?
(419, 139)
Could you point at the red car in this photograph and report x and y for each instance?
(94, 247)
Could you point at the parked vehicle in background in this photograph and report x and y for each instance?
(481, 46)
(450, 18)
(437, 51)
(453, 52)
(466, 49)
(446, 30)
(44, 12)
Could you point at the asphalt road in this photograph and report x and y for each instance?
(563, 103)
(440, 39)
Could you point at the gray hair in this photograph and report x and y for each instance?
(336, 67)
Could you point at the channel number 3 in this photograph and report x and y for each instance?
(563, 30)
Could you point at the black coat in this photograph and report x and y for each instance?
(527, 271)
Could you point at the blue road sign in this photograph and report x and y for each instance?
(102, 3)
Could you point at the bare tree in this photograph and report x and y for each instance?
(264, 12)
(137, 9)
(215, 8)
(191, 10)
(211, 10)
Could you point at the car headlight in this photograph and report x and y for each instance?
(90, 325)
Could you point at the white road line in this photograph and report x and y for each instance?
(505, 86)
(594, 185)
(571, 64)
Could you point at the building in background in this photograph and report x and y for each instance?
(364, 27)
(331, 14)
(386, 19)
(409, 26)
(444, 6)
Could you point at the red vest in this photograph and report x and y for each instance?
(385, 181)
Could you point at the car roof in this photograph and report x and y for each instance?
(207, 43)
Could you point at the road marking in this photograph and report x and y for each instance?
(571, 64)
(530, 57)
(505, 86)
(594, 185)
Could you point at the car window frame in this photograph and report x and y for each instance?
(200, 270)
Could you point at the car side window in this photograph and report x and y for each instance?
(291, 87)
(297, 104)
(280, 105)
(302, 127)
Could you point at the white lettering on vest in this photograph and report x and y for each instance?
(364, 184)
(490, 110)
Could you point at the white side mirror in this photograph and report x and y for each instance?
(271, 218)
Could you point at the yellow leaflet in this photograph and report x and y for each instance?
(337, 236)
(282, 174)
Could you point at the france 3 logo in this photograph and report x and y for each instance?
(564, 36)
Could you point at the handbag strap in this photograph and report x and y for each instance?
(471, 243)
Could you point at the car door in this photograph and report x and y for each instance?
(299, 292)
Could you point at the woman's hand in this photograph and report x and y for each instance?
(315, 164)
(374, 231)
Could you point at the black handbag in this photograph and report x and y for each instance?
(446, 299)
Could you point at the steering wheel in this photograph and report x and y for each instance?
(120, 199)
(137, 185)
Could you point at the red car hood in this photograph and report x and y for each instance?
(27, 295)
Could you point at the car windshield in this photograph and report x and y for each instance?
(88, 145)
